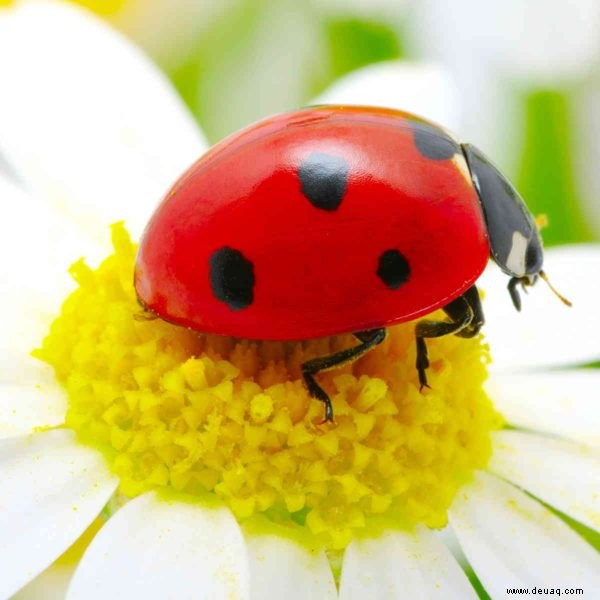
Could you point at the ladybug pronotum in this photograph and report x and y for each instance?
(335, 219)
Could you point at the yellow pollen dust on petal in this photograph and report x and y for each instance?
(207, 415)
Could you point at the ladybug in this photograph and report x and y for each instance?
(335, 219)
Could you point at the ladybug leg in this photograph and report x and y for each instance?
(465, 320)
(514, 292)
(472, 298)
(310, 368)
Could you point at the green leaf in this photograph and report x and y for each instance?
(355, 43)
(546, 177)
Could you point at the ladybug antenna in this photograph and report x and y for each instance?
(564, 300)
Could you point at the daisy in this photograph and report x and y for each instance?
(92, 135)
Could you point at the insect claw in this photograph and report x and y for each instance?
(145, 316)
(326, 420)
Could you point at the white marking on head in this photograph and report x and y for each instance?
(516, 257)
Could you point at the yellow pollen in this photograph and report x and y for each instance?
(209, 416)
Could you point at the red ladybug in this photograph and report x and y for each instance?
(335, 219)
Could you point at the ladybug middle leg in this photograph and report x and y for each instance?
(310, 368)
(465, 320)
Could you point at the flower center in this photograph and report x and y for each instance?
(213, 416)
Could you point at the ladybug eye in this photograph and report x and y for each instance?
(515, 241)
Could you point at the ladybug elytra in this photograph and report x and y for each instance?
(335, 219)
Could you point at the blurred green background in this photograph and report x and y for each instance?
(526, 74)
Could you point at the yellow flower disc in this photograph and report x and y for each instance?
(210, 416)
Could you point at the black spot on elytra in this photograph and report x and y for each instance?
(433, 143)
(231, 278)
(323, 179)
(393, 269)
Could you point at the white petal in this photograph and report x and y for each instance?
(546, 332)
(154, 548)
(403, 565)
(37, 247)
(512, 541)
(24, 408)
(563, 403)
(52, 584)
(93, 125)
(426, 90)
(546, 42)
(7, 172)
(51, 489)
(561, 473)
(584, 119)
(280, 568)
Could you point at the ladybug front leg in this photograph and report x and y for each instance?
(524, 282)
(310, 368)
(466, 319)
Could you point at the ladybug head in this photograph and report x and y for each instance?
(515, 241)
